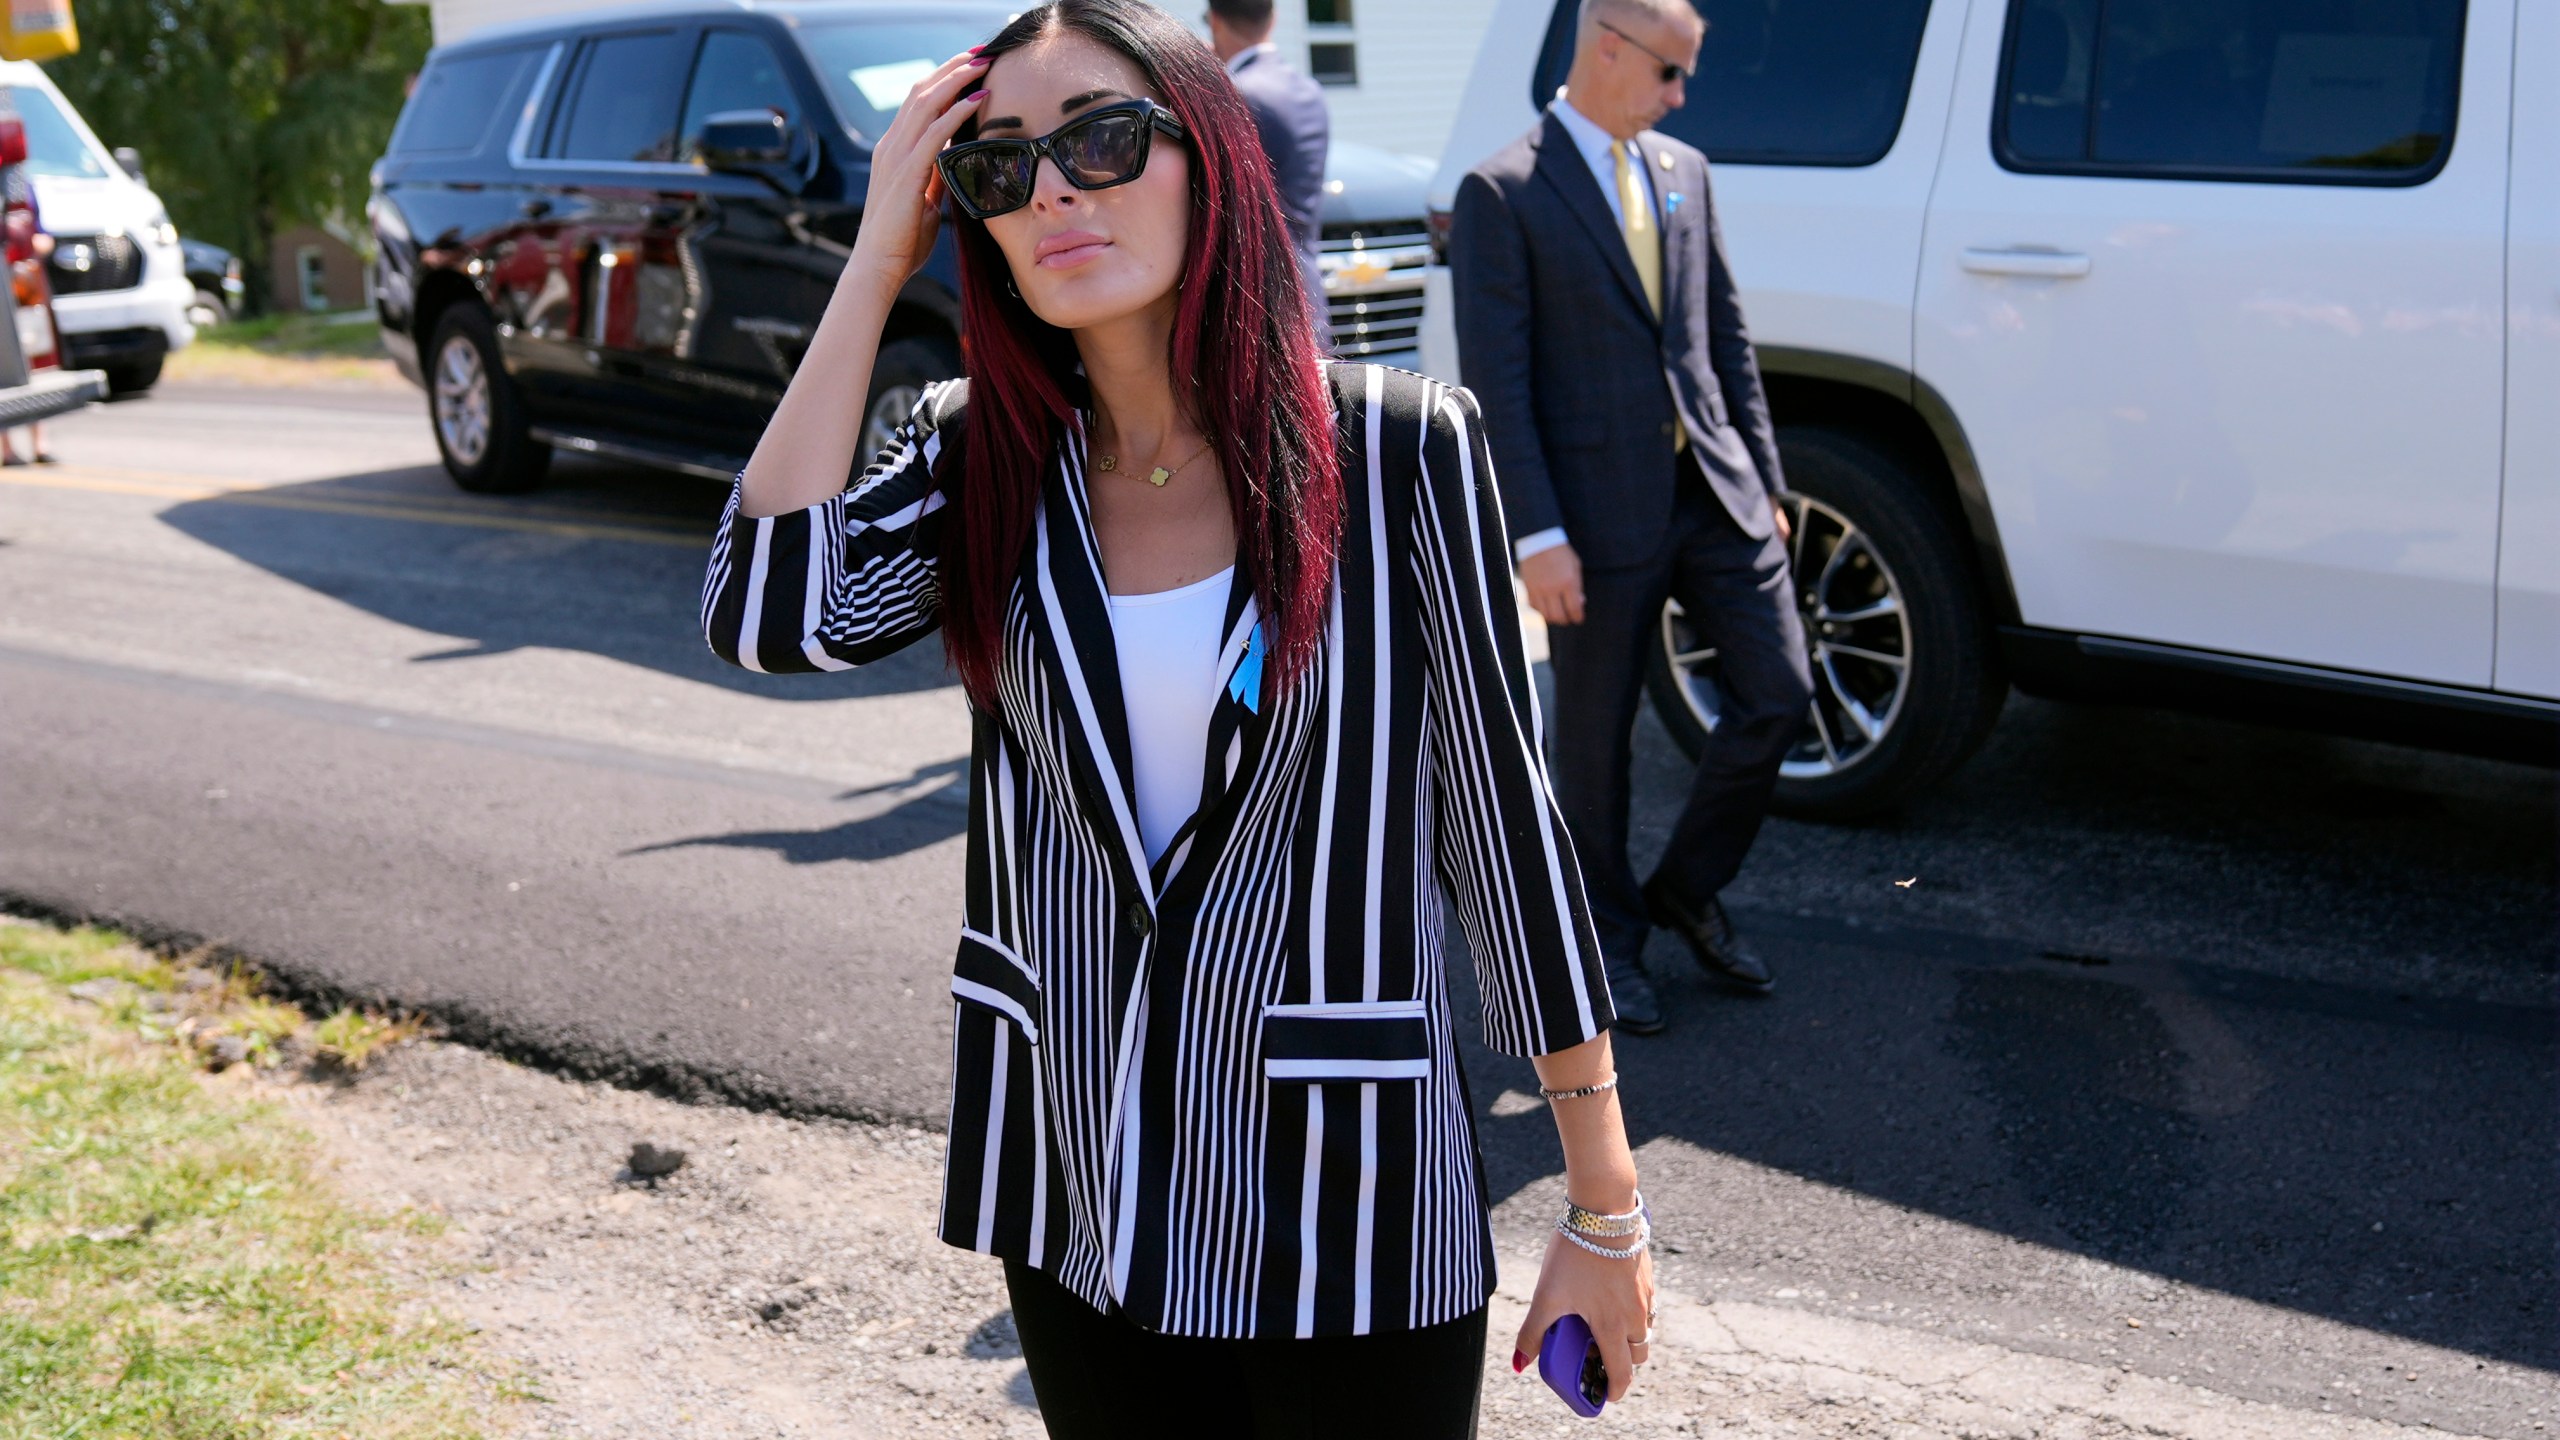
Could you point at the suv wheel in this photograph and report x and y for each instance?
(1903, 683)
(479, 418)
(134, 378)
(898, 379)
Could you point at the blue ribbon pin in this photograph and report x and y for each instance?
(1245, 685)
(1671, 202)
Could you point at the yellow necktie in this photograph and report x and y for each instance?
(1635, 221)
(1644, 246)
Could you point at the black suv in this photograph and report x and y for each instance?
(613, 234)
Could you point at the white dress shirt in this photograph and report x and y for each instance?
(1594, 144)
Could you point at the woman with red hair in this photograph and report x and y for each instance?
(1238, 639)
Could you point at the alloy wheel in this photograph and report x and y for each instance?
(1857, 631)
(889, 410)
(462, 401)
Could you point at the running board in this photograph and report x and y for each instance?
(703, 464)
(2067, 666)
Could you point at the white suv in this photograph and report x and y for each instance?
(120, 287)
(2208, 356)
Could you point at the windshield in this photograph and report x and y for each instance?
(53, 146)
(868, 65)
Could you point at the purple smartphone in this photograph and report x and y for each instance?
(1569, 1361)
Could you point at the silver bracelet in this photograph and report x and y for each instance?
(1551, 1096)
(1644, 1242)
(1607, 1227)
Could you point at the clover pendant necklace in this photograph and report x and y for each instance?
(1159, 475)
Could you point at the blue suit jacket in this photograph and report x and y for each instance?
(1296, 128)
(1581, 385)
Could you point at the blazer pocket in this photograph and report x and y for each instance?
(987, 973)
(1346, 1040)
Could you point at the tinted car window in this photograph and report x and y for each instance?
(1782, 82)
(53, 147)
(736, 72)
(2232, 89)
(625, 105)
(868, 68)
(457, 102)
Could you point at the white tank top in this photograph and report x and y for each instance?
(1168, 644)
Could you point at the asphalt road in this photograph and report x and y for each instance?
(2243, 1034)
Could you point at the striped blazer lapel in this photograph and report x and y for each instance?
(1071, 615)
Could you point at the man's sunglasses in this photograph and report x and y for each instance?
(1670, 70)
(1095, 151)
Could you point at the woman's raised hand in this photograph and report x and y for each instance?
(902, 212)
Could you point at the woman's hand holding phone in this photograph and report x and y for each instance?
(1613, 1297)
(902, 210)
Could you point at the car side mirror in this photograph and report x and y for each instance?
(13, 140)
(746, 142)
(131, 161)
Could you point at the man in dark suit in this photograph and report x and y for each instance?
(1599, 326)
(1289, 111)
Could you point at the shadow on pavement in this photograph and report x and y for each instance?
(508, 572)
(920, 818)
(2260, 1012)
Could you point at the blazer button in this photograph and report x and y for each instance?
(1141, 919)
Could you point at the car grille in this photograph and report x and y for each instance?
(84, 263)
(1373, 284)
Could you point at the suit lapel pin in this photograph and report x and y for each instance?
(1665, 158)
(1671, 202)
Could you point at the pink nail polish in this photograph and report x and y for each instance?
(982, 60)
(975, 95)
(1519, 1362)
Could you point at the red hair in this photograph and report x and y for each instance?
(1243, 359)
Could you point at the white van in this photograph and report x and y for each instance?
(120, 287)
(2206, 356)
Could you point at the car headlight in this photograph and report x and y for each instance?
(162, 233)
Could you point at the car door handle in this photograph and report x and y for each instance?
(2044, 264)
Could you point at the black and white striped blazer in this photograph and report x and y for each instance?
(1221, 1094)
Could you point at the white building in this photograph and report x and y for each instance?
(1392, 68)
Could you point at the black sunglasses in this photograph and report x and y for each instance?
(1095, 151)
(1670, 71)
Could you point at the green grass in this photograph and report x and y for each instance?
(298, 336)
(173, 1263)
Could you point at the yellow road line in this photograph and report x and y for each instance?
(264, 496)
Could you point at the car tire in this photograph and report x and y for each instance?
(478, 417)
(133, 378)
(207, 310)
(898, 379)
(1913, 723)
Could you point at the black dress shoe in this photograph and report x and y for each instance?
(1709, 932)
(1631, 995)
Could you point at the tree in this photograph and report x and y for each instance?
(253, 115)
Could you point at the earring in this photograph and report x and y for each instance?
(1009, 288)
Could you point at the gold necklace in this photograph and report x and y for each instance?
(1159, 475)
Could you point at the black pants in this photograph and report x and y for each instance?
(1736, 591)
(1100, 1376)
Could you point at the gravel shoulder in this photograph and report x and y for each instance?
(785, 1282)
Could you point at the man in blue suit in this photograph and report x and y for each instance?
(1600, 327)
(1289, 110)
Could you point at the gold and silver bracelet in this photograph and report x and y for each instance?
(1643, 1234)
(1551, 1096)
(1605, 1226)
